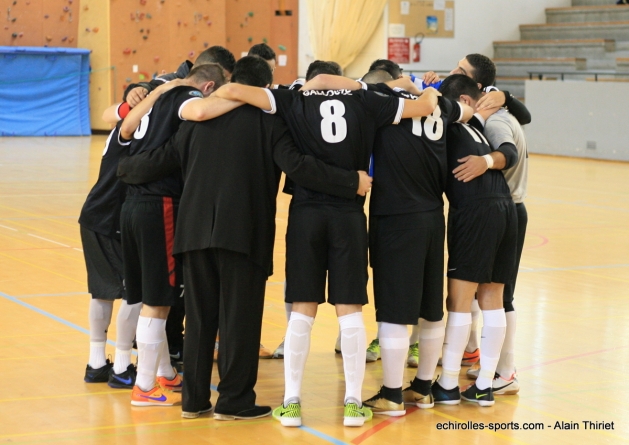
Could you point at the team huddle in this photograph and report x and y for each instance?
(181, 223)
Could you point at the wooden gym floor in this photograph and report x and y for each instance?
(572, 344)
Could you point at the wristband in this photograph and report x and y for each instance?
(413, 78)
(489, 160)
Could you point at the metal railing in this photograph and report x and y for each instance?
(541, 74)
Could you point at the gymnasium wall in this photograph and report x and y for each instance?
(477, 23)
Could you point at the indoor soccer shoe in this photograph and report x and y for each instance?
(98, 375)
(289, 415)
(507, 387)
(279, 351)
(414, 398)
(445, 396)
(473, 372)
(337, 345)
(469, 358)
(155, 397)
(264, 353)
(483, 397)
(413, 355)
(373, 351)
(250, 413)
(124, 380)
(175, 384)
(356, 415)
(381, 405)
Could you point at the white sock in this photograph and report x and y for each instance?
(378, 333)
(472, 343)
(431, 335)
(457, 332)
(506, 364)
(150, 335)
(164, 368)
(354, 350)
(493, 334)
(100, 318)
(126, 326)
(296, 349)
(414, 337)
(393, 350)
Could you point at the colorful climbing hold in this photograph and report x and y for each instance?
(250, 14)
(95, 29)
(282, 47)
(126, 51)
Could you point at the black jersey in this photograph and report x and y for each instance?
(409, 161)
(335, 126)
(156, 127)
(465, 140)
(101, 211)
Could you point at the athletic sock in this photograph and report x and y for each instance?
(492, 336)
(150, 335)
(457, 332)
(289, 309)
(164, 368)
(472, 343)
(506, 363)
(126, 326)
(431, 335)
(414, 337)
(100, 318)
(296, 349)
(393, 351)
(354, 350)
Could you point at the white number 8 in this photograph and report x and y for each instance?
(143, 127)
(333, 125)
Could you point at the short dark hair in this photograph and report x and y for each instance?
(388, 66)
(322, 67)
(456, 84)
(206, 73)
(484, 69)
(217, 54)
(252, 70)
(262, 50)
(377, 76)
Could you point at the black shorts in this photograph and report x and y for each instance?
(103, 260)
(406, 254)
(152, 275)
(523, 219)
(326, 238)
(482, 239)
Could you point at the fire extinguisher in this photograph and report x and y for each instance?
(417, 47)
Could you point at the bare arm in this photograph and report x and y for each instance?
(208, 108)
(132, 121)
(255, 96)
(423, 106)
(331, 82)
(110, 115)
(406, 84)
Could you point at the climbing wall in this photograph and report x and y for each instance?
(151, 36)
(39, 23)
(273, 22)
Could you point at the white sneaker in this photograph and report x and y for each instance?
(504, 386)
(279, 351)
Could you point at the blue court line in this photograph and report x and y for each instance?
(323, 436)
(87, 332)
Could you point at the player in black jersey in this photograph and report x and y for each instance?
(100, 235)
(152, 275)
(482, 229)
(407, 233)
(327, 235)
(214, 54)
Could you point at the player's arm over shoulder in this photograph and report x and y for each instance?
(256, 96)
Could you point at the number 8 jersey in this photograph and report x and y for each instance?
(336, 126)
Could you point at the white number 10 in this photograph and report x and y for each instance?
(333, 125)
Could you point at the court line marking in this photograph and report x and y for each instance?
(54, 250)
(373, 430)
(9, 228)
(38, 216)
(43, 268)
(46, 239)
(75, 241)
(571, 357)
(85, 331)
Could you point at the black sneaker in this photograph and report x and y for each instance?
(251, 413)
(483, 397)
(100, 375)
(176, 361)
(124, 380)
(446, 396)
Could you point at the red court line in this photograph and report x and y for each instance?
(370, 432)
(543, 243)
(563, 359)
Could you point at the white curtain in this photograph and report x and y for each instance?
(339, 29)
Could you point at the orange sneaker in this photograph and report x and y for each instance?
(469, 358)
(175, 384)
(264, 352)
(155, 397)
